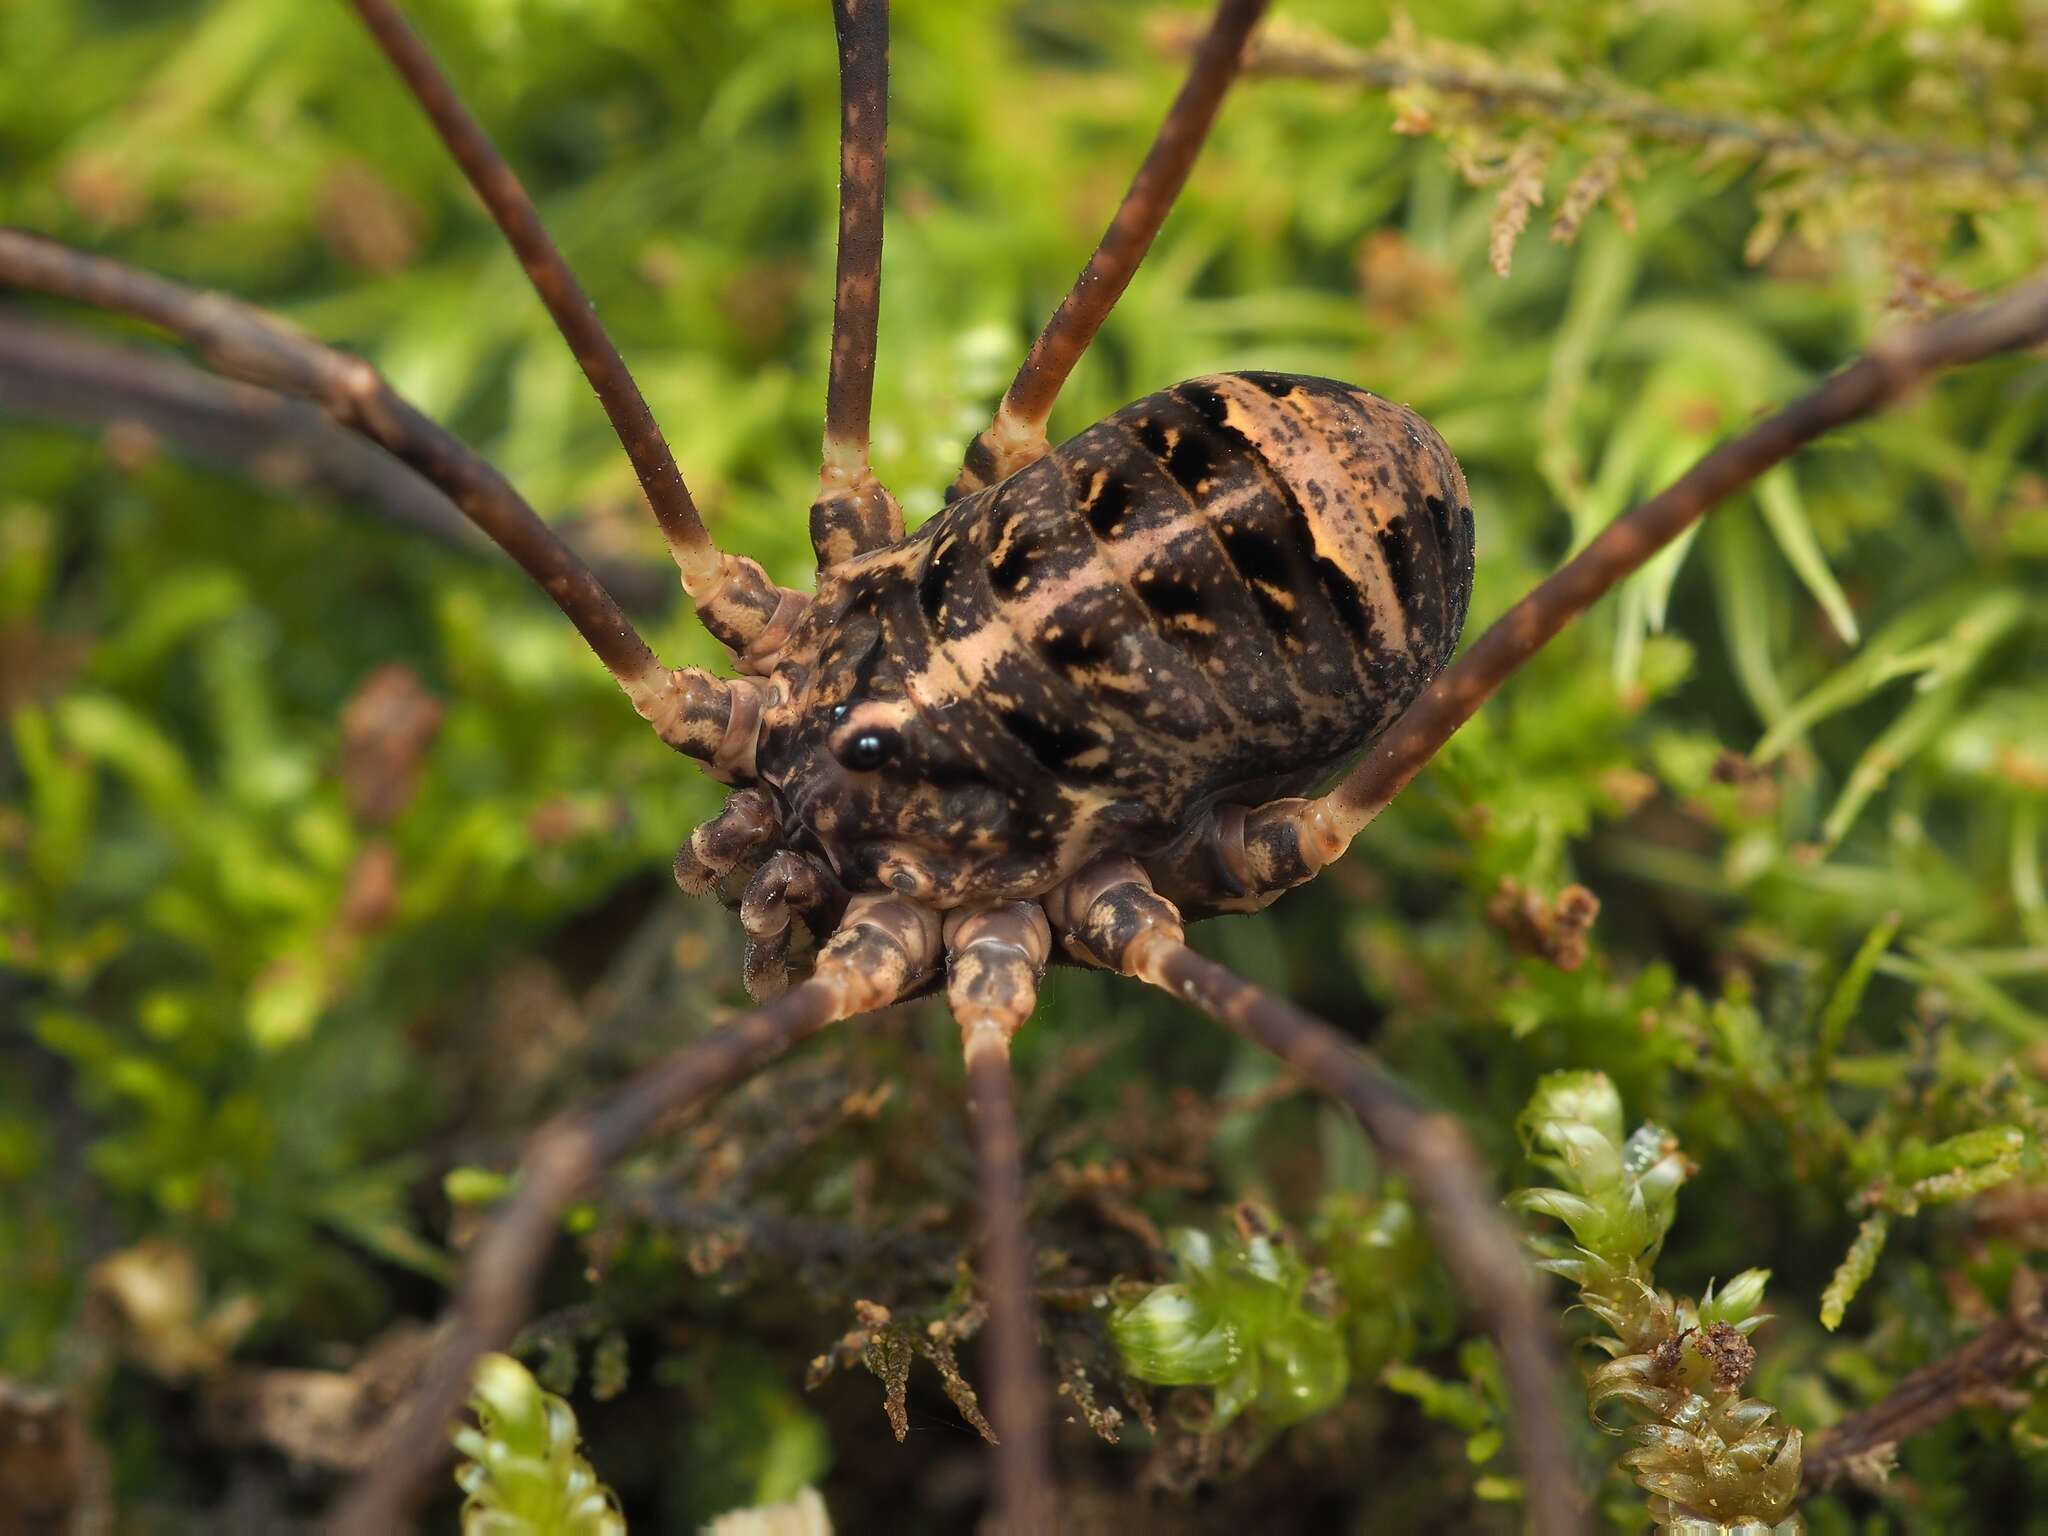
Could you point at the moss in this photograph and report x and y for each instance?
(522, 1473)
(1710, 1459)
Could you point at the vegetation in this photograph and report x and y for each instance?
(330, 863)
(520, 1467)
(1705, 1454)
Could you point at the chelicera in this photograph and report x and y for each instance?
(1020, 733)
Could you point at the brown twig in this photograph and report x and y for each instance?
(696, 557)
(863, 32)
(1861, 1444)
(68, 375)
(1300, 54)
(246, 344)
(1474, 1239)
(1017, 436)
(1881, 376)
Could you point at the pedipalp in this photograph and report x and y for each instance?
(786, 890)
(746, 822)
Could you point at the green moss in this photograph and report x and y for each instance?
(1710, 1459)
(1246, 1318)
(522, 1473)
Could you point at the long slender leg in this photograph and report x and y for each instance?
(734, 596)
(853, 513)
(74, 377)
(1476, 1244)
(690, 709)
(1286, 842)
(994, 961)
(884, 945)
(1112, 917)
(1017, 435)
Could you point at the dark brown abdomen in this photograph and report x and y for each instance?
(1222, 590)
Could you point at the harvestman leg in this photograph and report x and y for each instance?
(854, 513)
(734, 597)
(885, 945)
(1017, 435)
(690, 709)
(994, 959)
(1112, 917)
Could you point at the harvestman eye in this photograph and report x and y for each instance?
(869, 750)
(1259, 636)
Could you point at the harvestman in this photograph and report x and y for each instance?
(887, 947)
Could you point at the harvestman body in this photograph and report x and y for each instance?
(1205, 603)
(1082, 701)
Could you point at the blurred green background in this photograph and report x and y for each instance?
(329, 862)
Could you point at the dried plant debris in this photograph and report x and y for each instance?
(150, 1301)
(1554, 929)
(334, 1420)
(888, 1346)
(804, 1515)
(386, 729)
(887, 1349)
(53, 1476)
(1077, 1389)
(940, 1335)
